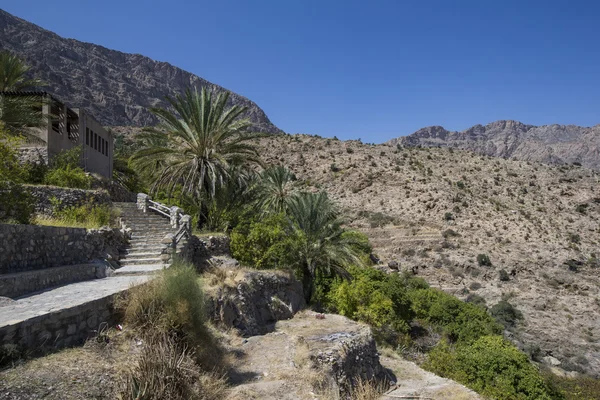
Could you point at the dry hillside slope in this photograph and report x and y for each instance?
(434, 210)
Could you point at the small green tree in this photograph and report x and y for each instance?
(15, 202)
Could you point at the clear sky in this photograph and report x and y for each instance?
(363, 69)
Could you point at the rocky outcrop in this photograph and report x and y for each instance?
(310, 355)
(117, 88)
(553, 144)
(255, 300)
(346, 356)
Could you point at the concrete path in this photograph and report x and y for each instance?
(65, 297)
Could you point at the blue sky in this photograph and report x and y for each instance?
(363, 69)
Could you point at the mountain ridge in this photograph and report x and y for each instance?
(117, 87)
(552, 144)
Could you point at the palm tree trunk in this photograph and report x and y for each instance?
(307, 284)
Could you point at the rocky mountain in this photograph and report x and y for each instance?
(555, 144)
(118, 88)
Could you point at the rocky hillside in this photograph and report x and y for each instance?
(555, 144)
(118, 88)
(434, 211)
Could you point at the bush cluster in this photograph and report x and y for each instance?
(491, 366)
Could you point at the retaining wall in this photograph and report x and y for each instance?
(63, 328)
(30, 247)
(20, 284)
(48, 199)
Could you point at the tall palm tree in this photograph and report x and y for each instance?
(195, 143)
(324, 247)
(21, 111)
(275, 189)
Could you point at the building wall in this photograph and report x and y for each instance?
(69, 128)
(97, 144)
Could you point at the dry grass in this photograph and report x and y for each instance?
(93, 371)
(166, 370)
(367, 390)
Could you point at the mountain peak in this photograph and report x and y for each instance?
(513, 139)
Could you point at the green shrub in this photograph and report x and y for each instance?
(491, 366)
(484, 260)
(461, 322)
(67, 159)
(263, 244)
(16, 204)
(72, 177)
(506, 314)
(448, 216)
(376, 298)
(503, 275)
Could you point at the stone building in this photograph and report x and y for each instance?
(65, 128)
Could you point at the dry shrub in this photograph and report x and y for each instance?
(166, 370)
(172, 303)
(180, 356)
(367, 390)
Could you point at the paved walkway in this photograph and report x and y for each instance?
(65, 297)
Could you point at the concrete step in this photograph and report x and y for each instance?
(137, 242)
(152, 230)
(140, 255)
(148, 246)
(139, 261)
(140, 269)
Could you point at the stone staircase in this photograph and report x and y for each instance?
(64, 314)
(147, 247)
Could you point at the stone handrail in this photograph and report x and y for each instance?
(180, 221)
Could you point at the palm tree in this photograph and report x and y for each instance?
(195, 144)
(275, 189)
(324, 247)
(18, 112)
(230, 200)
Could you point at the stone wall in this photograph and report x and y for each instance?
(30, 247)
(116, 192)
(199, 249)
(20, 284)
(49, 199)
(33, 155)
(63, 328)
(258, 299)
